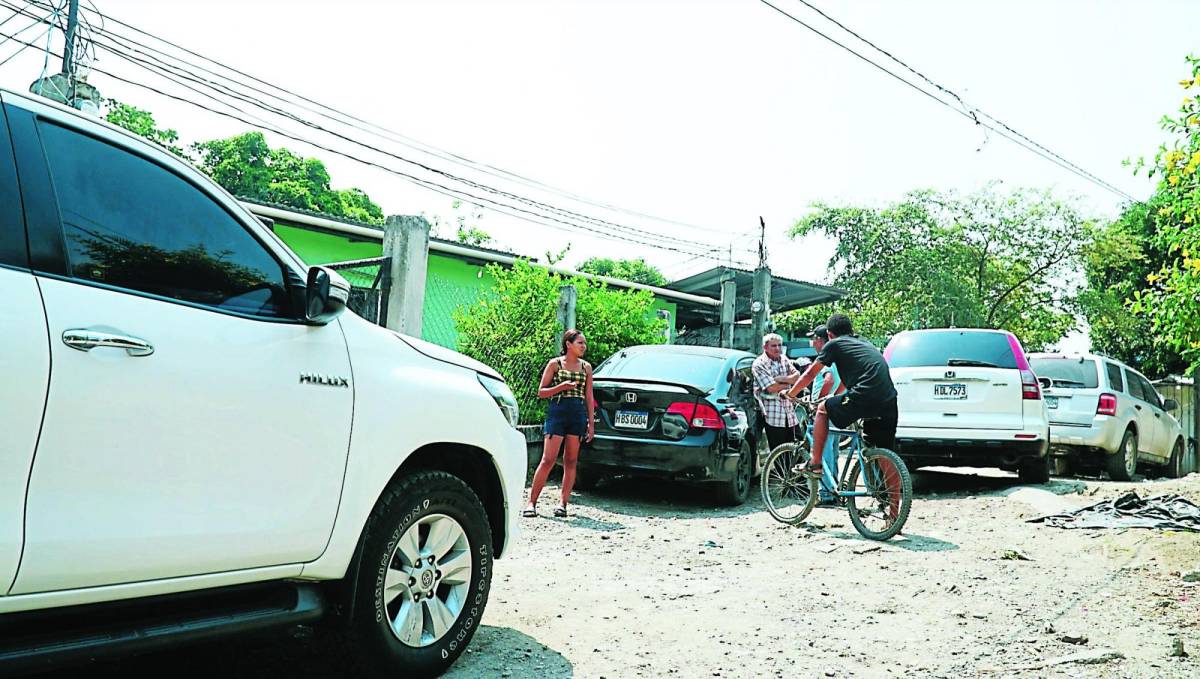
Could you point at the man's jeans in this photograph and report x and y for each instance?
(828, 465)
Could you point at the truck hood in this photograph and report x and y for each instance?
(440, 353)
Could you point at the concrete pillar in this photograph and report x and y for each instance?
(406, 247)
(566, 307)
(728, 307)
(760, 306)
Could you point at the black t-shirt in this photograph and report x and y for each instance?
(860, 366)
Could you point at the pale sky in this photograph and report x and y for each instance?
(709, 112)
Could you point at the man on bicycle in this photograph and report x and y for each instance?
(869, 393)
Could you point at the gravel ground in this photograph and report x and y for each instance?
(647, 580)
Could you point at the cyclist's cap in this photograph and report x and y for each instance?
(820, 331)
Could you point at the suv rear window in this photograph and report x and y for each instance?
(985, 349)
(1072, 373)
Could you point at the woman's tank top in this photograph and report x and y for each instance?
(579, 377)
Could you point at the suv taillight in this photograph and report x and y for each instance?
(1030, 390)
(1107, 405)
(699, 415)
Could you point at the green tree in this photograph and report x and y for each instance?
(989, 259)
(515, 330)
(1117, 261)
(464, 232)
(142, 124)
(1171, 301)
(472, 235)
(246, 166)
(633, 270)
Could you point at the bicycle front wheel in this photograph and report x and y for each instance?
(883, 477)
(789, 494)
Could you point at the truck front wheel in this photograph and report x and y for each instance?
(423, 579)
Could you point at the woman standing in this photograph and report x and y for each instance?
(567, 382)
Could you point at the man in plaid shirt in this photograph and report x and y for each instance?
(774, 373)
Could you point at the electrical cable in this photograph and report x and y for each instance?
(381, 131)
(1032, 147)
(630, 232)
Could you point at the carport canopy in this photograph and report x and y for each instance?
(786, 293)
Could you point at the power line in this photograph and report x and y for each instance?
(22, 48)
(486, 203)
(970, 109)
(629, 234)
(377, 130)
(1004, 131)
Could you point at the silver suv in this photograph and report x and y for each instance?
(1104, 412)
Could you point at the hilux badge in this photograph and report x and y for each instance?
(327, 380)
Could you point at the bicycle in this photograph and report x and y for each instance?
(874, 484)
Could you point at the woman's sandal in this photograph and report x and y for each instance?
(529, 512)
(560, 511)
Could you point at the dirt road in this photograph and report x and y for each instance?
(636, 587)
(647, 580)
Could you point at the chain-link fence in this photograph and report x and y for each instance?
(449, 298)
(367, 294)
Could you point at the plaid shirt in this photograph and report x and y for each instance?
(777, 412)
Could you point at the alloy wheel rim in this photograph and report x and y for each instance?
(427, 581)
(1131, 455)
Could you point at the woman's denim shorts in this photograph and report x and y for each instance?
(566, 417)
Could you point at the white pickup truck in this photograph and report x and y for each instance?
(196, 441)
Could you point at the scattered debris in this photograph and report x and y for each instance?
(1097, 657)
(1193, 576)
(1177, 650)
(1014, 555)
(863, 549)
(1076, 639)
(710, 543)
(1130, 511)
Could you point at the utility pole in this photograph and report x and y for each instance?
(760, 296)
(68, 63)
(66, 87)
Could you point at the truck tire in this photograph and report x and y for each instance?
(1176, 467)
(1034, 470)
(409, 615)
(1122, 463)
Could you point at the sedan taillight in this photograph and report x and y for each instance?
(699, 415)
(1107, 405)
(1030, 390)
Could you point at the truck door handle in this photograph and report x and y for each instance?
(86, 340)
(1138, 407)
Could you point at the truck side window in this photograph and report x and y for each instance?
(130, 223)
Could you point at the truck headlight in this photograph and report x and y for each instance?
(504, 398)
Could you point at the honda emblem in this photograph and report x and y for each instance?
(949, 374)
(630, 397)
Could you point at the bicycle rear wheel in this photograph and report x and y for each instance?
(789, 495)
(881, 513)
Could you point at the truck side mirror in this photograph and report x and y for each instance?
(325, 296)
